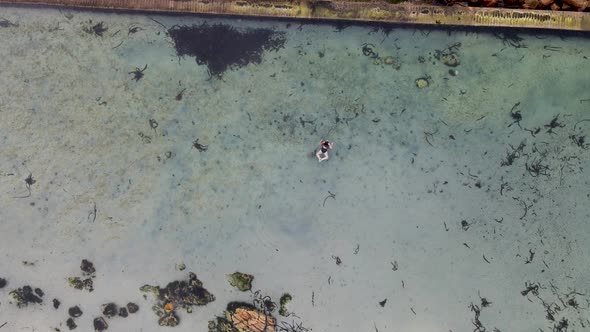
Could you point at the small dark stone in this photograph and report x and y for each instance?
(39, 292)
(100, 324)
(75, 311)
(29, 297)
(109, 309)
(87, 267)
(71, 324)
(56, 303)
(2, 282)
(132, 307)
(123, 312)
(382, 303)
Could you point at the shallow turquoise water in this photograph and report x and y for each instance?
(426, 212)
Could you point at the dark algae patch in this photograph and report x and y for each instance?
(241, 281)
(221, 47)
(25, 295)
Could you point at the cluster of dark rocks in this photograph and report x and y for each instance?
(178, 294)
(25, 295)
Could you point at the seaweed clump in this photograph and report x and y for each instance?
(179, 293)
(88, 271)
(221, 47)
(286, 298)
(25, 295)
(241, 281)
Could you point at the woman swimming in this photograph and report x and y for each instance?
(324, 147)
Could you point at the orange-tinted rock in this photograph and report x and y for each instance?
(247, 319)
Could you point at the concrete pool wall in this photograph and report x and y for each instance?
(370, 11)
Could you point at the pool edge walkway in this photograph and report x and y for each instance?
(366, 11)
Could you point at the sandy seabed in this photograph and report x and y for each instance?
(440, 197)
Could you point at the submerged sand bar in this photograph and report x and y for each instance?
(370, 11)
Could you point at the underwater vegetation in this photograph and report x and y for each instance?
(241, 281)
(221, 47)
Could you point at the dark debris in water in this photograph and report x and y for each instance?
(178, 294)
(71, 324)
(4, 23)
(221, 47)
(100, 324)
(97, 29)
(25, 295)
(87, 267)
(75, 312)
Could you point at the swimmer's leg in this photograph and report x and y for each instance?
(317, 154)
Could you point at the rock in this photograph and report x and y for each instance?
(169, 320)
(39, 292)
(109, 309)
(3, 283)
(75, 311)
(183, 293)
(241, 281)
(71, 324)
(453, 72)
(530, 4)
(180, 294)
(422, 82)
(578, 4)
(246, 318)
(123, 312)
(450, 59)
(180, 266)
(132, 307)
(87, 267)
(56, 303)
(23, 296)
(100, 324)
